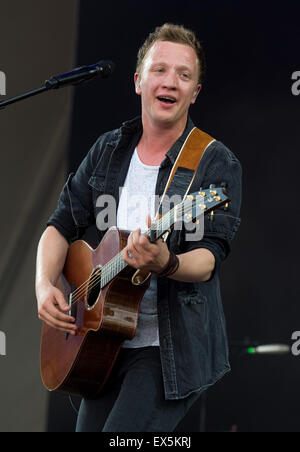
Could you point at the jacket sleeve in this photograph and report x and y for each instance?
(75, 212)
(223, 167)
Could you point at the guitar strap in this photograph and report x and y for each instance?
(180, 181)
(185, 167)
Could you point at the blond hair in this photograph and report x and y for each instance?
(177, 34)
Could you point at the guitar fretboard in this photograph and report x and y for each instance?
(116, 265)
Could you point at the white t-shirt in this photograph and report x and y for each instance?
(137, 200)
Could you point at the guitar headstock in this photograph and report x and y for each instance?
(202, 202)
(190, 209)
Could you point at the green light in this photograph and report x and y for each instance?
(251, 350)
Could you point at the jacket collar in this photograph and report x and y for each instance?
(135, 126)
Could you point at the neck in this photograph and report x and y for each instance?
(159, 138)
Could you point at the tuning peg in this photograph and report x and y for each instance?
(213, 192)
(226, 207)
(211, 216)
(191, 197)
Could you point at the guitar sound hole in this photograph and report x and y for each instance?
(94, 289)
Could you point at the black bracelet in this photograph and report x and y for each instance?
(172, 265)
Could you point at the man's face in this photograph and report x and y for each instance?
(168, 83)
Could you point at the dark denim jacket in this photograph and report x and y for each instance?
(193, 339)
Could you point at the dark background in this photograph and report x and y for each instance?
(252, 49)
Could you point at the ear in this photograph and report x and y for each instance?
(137, 83)
(196, 92)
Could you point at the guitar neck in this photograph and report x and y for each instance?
(116, 265)
(193, 206)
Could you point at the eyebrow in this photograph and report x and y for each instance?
(181, 67)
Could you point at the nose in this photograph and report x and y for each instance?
(170, 80)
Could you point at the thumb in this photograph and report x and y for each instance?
(61, 300)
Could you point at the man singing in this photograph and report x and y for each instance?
(180, 347)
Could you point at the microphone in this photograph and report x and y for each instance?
(102, 69)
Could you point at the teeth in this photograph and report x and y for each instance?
(167, 99)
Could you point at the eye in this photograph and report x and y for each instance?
(157, 69)
(185, 75)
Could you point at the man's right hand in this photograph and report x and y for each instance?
(52, 308)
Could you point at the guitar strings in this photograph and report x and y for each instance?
(80, 291)
(109, 266)
(93, 282)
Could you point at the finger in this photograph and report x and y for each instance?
(133, 243)
(144, 244)
(59, 297)
(57, 324)
(148, 221)
(136, 240)
(129, 261)
(141, 242)
(143, 256)
(55, 313)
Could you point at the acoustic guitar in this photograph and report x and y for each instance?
(104, 295)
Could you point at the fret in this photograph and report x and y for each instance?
(166, 222)
(103, 278)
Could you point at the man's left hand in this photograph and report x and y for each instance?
(152, 257)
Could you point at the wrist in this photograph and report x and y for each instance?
(43, 284)
(171, 266)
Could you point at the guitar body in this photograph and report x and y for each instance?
(81, 364)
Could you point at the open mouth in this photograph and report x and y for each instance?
(166, 100)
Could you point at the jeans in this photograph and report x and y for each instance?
(134, 398)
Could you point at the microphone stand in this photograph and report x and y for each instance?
(82, 74)
(15, 99)
(53, 83)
